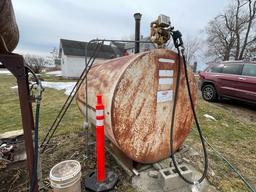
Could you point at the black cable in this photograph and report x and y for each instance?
(87, 118)
(177, 36)
(196, 121)
(36, 127)
(35, 162)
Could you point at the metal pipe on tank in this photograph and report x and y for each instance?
(137, 17)
(9, 33)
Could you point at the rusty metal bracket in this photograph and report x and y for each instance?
(15, 64)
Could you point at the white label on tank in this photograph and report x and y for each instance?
(166, 73)
(163, 96)
(165, 81)
(164, 60)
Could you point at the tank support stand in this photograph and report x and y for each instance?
(15, 64)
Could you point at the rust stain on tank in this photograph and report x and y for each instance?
(137, 109)
(8, 27)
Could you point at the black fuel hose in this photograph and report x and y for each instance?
(36, 129)
(35, 162)
(196, 121)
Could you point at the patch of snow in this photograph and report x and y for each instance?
(67, 86)
(4, 71)
(194, 188)
(56, 73)
(209, 117)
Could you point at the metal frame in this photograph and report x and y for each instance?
(15, 64)
(83, 76)
(67, 103)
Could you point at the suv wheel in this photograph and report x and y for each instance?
(209, 93)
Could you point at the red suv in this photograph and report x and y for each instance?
(229, 79)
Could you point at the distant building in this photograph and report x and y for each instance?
(72, 55)
(49, 62)
(57, 62)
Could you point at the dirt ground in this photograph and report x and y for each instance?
(13, 178)
(243, 111)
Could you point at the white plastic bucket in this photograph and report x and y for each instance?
(66, 176)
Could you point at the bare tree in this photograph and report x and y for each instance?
(220, 40)
(35, 62)
(192, 49)
(231, 35)
(54, 53)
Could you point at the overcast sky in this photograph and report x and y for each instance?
(43, 22)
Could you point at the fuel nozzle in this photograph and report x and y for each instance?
(177, 39)
(161, 30)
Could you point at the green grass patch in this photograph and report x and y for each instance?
(234, 139)
(51, 104)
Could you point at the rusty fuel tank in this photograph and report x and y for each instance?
(9, 32)
(138, 95)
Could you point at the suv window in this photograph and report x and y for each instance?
(249, 70)
(216, 68)
(232, 68)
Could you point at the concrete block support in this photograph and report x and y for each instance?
(171, 181)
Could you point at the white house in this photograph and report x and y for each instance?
(72, 54)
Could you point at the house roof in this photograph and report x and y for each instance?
(77, 48)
